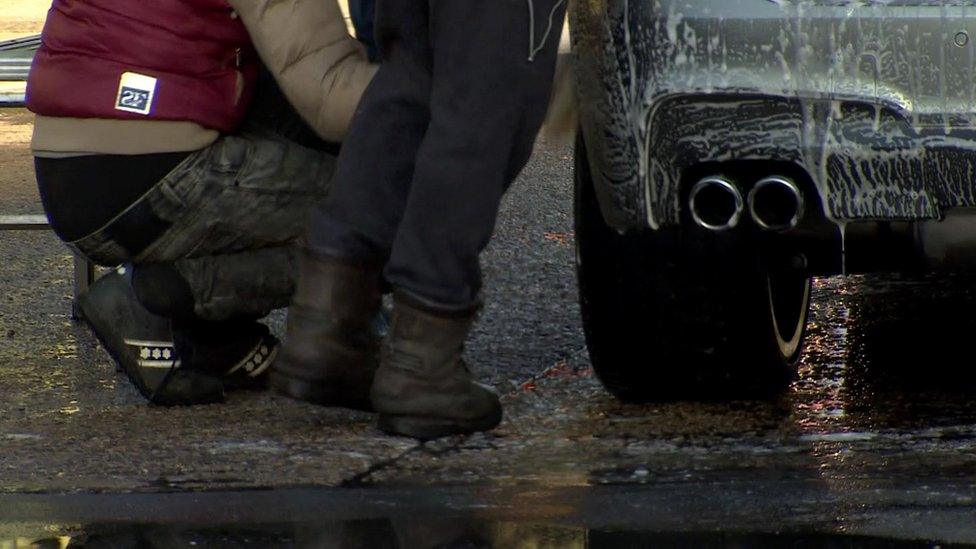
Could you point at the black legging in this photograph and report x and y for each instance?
(81, 194)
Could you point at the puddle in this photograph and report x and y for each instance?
(768, 513)
(887, 353)
(428, 533)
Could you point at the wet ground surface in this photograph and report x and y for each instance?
(876, 439)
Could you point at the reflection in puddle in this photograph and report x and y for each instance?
(421, 534)
(882, 395)
(58, 542)
(888, 354)
(818, 401)
(880, 400)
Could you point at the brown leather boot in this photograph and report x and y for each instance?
(423, 388)
(331, 350)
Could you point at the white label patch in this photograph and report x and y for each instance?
(136, 92)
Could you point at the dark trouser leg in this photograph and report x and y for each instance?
(487, 100)
(430, 202)
(330, 354)
(363, 13)
(237, 217)
(487, 104)
(376, 164)
(248, 283)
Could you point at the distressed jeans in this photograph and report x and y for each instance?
(234, 214)
(441, 132)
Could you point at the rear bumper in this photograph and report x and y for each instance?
(876, 103)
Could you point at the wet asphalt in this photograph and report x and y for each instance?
(874, 445)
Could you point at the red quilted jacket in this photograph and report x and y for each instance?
(188, 60)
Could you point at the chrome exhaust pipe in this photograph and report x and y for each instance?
(776, 204)
(716, 204)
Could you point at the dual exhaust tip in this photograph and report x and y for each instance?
(774, 204)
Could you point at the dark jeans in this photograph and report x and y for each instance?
(444, 128)
(363, 14)
(230, 217)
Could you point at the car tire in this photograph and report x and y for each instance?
(681, 312)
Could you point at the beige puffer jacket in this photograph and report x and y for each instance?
(305, 44)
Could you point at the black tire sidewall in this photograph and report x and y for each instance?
(678, 312)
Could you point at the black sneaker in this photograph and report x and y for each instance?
(143, 346)
(192, 364)
(239, 352)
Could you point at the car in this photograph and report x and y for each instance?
(731, 150)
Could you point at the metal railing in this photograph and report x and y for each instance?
(14, 70)
(14, 99)
(84, 270)
(16, 56)
(27, 43)
(15, 59)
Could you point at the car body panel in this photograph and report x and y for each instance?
(875, 100)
